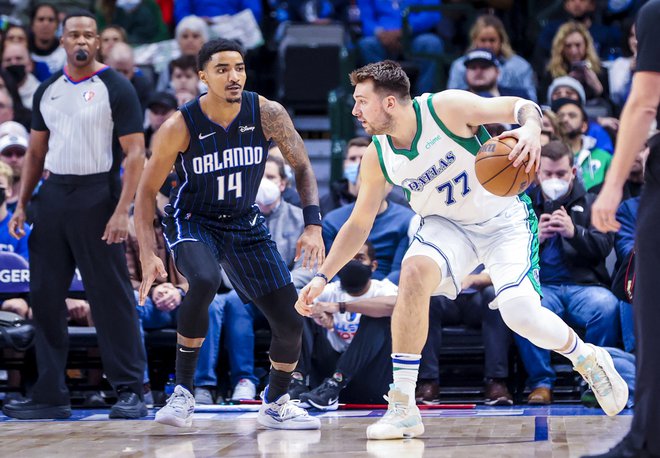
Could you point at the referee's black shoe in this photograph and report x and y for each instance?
(129, 405)
(29, 409)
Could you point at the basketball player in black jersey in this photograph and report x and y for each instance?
(218, 144)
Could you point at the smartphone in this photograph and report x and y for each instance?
(549, 206)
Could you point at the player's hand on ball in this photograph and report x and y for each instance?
(529, 145)
(310, 245)
(307, 295)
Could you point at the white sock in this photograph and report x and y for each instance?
(405, 367)
(578, 351)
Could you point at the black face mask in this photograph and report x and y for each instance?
(354, 276)
(3, 195)
(17, 72)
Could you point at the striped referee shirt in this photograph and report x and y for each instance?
(85, 118)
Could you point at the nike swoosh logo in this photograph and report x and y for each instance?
(186, 351)
(55, 97)
(202, 137)
(254, 220)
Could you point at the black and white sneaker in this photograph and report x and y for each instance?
(323, 397)
(129, 405)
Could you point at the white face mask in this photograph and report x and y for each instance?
(128, 5)
(268, 192)
(555, 188)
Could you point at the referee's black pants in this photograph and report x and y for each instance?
(645, 429)
(71, 213)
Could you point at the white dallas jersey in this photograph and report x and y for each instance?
(437, 173)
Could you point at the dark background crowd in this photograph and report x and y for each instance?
(575, 58)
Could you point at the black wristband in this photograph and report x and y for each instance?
(323, 276)
(312, 215)
(342, 307)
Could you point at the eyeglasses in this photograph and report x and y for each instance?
(13, 152)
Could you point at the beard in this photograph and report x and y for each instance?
(381, 127)
(234, 100)
(484, 87)
(574, 133)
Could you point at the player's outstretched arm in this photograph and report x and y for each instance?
(353, 234)
(171, 138)
(462, 112)
(277, 125)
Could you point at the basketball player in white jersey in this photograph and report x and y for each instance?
(427, 146)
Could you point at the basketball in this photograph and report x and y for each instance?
(496, 172)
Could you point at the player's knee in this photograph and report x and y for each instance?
(518, 312)
(419, 275)
(205, 281)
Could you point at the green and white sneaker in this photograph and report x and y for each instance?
(610, 389)
(401, 421)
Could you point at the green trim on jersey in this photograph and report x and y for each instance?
(471, 144)
(411, 153)
(381, 161)
(533, 223)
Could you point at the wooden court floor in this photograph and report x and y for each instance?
(560, 431)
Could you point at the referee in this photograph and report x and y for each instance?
(83, 118)
(641, 109)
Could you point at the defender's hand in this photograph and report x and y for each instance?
(310, 245)
(307, 295)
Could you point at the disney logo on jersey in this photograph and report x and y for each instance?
(417, 184)
(243, 129)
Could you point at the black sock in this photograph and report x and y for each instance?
(278, 384)
(186, 362)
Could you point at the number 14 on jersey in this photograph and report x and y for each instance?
(233, 182)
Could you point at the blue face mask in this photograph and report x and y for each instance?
(351, 172)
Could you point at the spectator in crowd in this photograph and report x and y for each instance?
(591, 162)
(17, 62)
(573, 54)
(190, 33)
(15, 34)
(567, 87)
(382, 37)
(572, 259)
(160, 107)
(82, 216)
(183, 76)
(290, 194)
(470, 308)
(482, 71)
(121, 59)
(47, 54)
(551, 129)
(13, 110)
(344, 190)
(488, 32)
(8, 243)
(109, 36)
(12, 152)
(285, 223)
(160, 308)
(389, 235)
(621, 69)
(141, 19)
(606, 39)
(347, 342)
(208, 9)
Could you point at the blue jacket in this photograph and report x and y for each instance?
(9, 243)
(211, 8)
(389, 235)
(624, 240)
(387, 14)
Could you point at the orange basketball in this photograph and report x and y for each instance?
(496, 172)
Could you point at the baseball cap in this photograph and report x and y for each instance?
(12, 141)
(163, 99)
(481, 55)
(13, 128)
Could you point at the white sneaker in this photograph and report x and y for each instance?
(179, 409)
(244, 390)
(610, 389)
(285, 414)
(401, 421)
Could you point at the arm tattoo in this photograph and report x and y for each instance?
(277, 125)
(529, 112)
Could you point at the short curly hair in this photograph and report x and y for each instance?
(388, 77)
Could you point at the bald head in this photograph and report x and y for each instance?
(121, 59)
